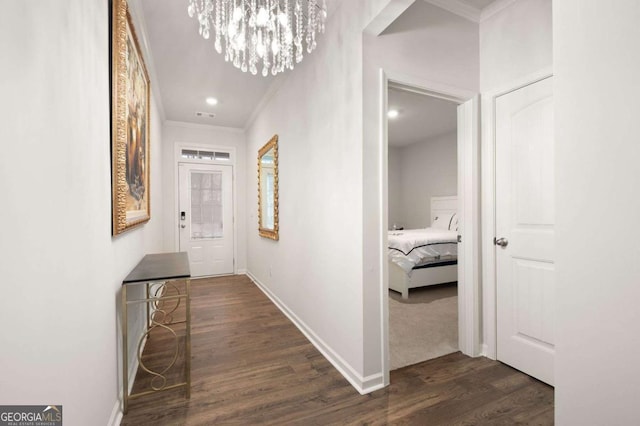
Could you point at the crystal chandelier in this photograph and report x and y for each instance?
(261, 32)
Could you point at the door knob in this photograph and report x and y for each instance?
(183, 226)
(502, 242)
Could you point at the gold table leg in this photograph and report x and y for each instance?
(151, 323)
(125, 356)
(188, 339)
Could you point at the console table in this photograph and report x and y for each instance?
(158, 272)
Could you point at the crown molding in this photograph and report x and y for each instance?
(271, 91)
(459, 8)
(278, 82)
(494, 8)
(387, 16)
(135, 9)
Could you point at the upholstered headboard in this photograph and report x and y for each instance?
(443, 206)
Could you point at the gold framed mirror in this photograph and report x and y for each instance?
(268, 189)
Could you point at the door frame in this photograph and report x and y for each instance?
(488, 206)
(179, 146)
(469, 305)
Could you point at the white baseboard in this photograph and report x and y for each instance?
(241, 272)
(372, 383)
(484, 351)
(362, 384)
(116, 413)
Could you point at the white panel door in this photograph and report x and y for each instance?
(525, 218)
(205, 218)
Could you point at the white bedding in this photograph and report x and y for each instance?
(412, 247)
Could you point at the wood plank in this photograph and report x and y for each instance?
(252, 366)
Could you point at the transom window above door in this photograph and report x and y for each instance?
(193, 154)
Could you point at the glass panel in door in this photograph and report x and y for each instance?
(206, 205)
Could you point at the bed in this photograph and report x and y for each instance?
(429, 256)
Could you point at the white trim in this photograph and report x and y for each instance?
(488, 227)
(178, 147)
(518, 83)
(186, 125)
(495, 8)
(271, 91)
(362, 384)
(488, 185)
(384, 220)
(241, 271)
(459, 8)
(468, 300)
(116, 414)
(370, 383)
(469, 12)
(424, 86)
(279, 82)
(387, 16)
(143, 38)
(469, 303)
(484, 350)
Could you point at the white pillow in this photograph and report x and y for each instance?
(442, 221)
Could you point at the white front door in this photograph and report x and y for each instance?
(205, 218)
(525, 218)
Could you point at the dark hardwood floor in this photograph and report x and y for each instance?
(251, 365)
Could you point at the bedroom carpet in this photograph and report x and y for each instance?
(423, 327)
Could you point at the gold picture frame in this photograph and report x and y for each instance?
(130, 102)
(268, 225)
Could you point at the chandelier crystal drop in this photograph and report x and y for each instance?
(261, 33)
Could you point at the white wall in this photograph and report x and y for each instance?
(315, 269)
(177, 134)
(427, 169)
(61, 269)
(427, 44)
(596, 68)
(515, 42)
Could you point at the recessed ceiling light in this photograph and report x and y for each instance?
(212, 101)
(392, 113)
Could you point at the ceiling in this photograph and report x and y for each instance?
(185, 69)
(420, 117)
(478, 4)
(469, 9)
(188, 69)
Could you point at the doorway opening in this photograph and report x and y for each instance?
(464, 202)
(423, 226)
